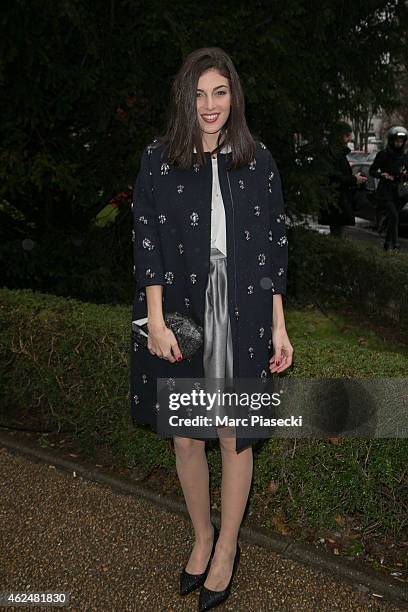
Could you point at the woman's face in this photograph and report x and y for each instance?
(213, 101)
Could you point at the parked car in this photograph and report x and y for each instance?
(355, 157)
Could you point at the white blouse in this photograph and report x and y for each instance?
(218, 229)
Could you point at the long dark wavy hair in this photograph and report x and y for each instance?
(183, 129)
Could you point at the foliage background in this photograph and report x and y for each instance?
(85, 85)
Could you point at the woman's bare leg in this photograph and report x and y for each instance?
(235, 486)
(192, 470)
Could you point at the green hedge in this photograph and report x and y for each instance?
(64, 365)
(327, 268)
(321, 269)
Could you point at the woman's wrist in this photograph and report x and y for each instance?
(278, 326)
(278, 317)
(155, 317)
(156, 322)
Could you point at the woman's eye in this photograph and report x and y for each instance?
(222, 92)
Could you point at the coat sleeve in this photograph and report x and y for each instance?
(148, 259)
(376, 167)
(277, 232)
(334, 173)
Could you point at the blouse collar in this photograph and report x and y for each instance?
(225, 149)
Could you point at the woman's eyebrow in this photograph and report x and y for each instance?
(218, 87)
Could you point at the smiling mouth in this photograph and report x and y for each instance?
(210, 118)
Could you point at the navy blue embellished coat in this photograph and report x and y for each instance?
(171, 237)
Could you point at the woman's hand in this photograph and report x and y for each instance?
(282, 359)
(162, 342)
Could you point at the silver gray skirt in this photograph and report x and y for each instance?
(218, 355)
(218, 350)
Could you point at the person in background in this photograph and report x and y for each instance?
(390, 166)
(338, 171)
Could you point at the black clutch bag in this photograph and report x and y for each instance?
(188, 333)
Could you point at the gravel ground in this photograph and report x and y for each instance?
(115, 552)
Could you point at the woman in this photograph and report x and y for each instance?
(209, 238)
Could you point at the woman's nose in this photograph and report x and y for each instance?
(211, 103)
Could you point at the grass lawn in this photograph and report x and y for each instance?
(330, 345)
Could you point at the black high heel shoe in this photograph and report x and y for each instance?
(210, 599)
(189, 582)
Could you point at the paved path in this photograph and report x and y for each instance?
(115, 552)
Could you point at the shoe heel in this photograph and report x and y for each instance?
(190, 582)
(210, 599)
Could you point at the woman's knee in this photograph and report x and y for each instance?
(185, 447)
(227, 438)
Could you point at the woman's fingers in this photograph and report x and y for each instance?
(166, 348)
(284, 365)
(277, 365)
(169, 356)
(164, 353)
(281, 360)
(176, 351)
